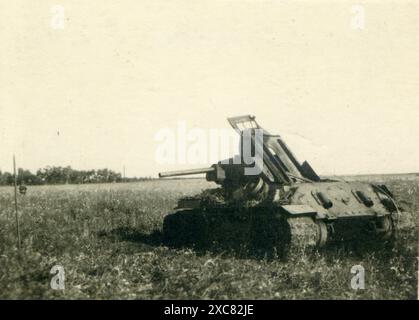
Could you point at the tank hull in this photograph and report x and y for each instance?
(306, 217)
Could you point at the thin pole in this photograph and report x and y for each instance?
(16, 210)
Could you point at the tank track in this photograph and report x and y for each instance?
(304, 235)
(292, 235)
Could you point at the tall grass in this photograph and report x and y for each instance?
(107, 239)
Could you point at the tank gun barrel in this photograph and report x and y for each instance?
(185, 172)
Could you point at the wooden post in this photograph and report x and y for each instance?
(16, 209)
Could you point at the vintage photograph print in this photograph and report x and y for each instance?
(209, 150)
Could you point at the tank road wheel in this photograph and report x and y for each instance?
(321, 233)
(305, 234)
(385, 227)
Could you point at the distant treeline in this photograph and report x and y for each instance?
(64, 175)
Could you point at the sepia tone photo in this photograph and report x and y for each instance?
(209, 150)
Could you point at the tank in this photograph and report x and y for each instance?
(276, 202)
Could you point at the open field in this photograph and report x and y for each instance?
(107, 239)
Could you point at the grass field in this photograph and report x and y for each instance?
(107, 239)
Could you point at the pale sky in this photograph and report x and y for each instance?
(95, 93)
